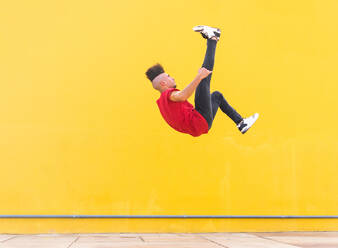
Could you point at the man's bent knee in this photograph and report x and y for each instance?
(217, 95)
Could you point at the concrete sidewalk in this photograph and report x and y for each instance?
(169, 240)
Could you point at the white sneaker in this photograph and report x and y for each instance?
(246, 123)
(208, 32)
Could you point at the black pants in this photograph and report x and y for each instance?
(207, 104)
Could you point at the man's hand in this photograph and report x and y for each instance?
(203, 72)
(179, 96)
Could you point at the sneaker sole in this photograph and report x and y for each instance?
(200, 28)
(257, 115)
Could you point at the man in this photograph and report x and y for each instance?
(173, 104)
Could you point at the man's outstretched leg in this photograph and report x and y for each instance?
(202, 94)
(207, 104)
(218, 101)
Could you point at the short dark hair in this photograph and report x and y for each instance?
(154, 71)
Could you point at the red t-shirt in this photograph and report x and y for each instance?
(182, 116)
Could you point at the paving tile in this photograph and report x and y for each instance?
(150, 241)
(109, 239)
(105, 244)
(148, 245)
(188, 234)
(322, 245)
(106, 241)
(32, 241)
(98, 234)
(305, 234)
(226, 235)
(161, 234)
(181, 245)
(307, 241)
(4, 237)
(173, 239)
(249, 242)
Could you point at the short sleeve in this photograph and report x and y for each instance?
(168, 92)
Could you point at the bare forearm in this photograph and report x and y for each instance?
(187, 91)
(184, 94)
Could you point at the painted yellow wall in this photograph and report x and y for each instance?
(80, 132)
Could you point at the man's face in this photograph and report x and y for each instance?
(169, 81)
(163, 81)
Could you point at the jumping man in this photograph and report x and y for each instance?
(173, 104)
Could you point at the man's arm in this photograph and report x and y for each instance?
(180, 96)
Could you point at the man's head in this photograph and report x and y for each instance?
(160, 80)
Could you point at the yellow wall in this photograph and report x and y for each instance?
(80, 132)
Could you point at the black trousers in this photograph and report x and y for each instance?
(207, 104)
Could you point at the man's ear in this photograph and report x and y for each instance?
(162, 83)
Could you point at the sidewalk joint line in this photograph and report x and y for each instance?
(214, 242)
(282, 242)
(73, 242)
(9, 239)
